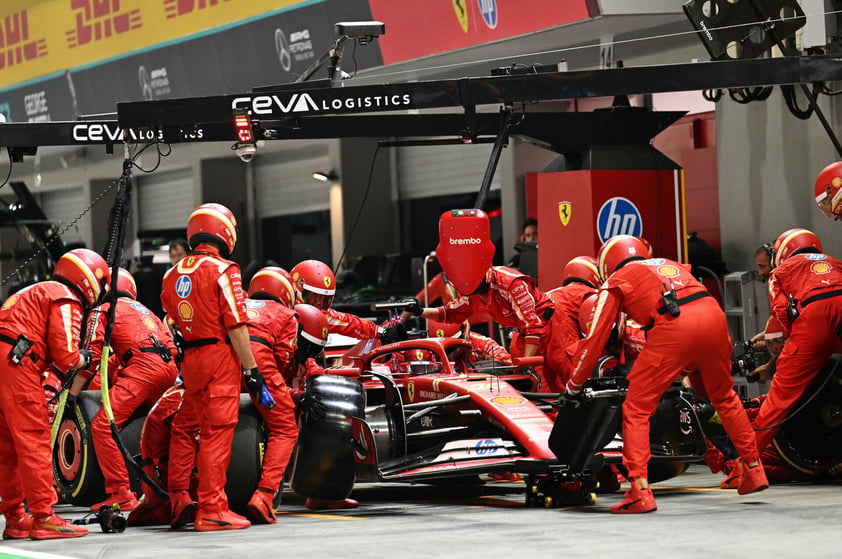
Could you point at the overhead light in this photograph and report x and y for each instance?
(324, 177)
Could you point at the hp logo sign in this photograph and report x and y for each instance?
(618, 216)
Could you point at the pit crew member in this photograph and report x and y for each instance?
(39, 325)
(687, 330)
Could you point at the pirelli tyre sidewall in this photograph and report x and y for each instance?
(76, 471)
(247, 451)
(323, 465)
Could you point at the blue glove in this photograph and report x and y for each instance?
(256, 385)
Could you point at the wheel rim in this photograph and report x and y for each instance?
(69, 450)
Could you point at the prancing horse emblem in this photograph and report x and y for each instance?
(564, 212)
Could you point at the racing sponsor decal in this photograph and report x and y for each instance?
(97, 20)
(485, 447)
(183, 286)
(153, 83)
(185, 311)
(252, 314)
(508, 400)
(327, 282)
(140, 308)
(111, 132)
(282, 48)
(410, 391)
(304, 103)
(564, 209)
(149, 323)
(35, 105)
(668, 270)
(816, 257)
(684, 422)
(255, 304)
(10, 302)
(177, 8)
(654, 261)
(16, 47)
(461, 13)
(427, 395)
(821, 268)
(618, 216)
(488, 9)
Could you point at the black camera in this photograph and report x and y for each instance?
(745, 359)
(109, 519)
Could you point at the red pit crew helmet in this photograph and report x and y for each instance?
(465, 249)
(314, 283)
(619, 250)
(213, 222)
(273, 283)
(84, 271)
(443, 329)
(586, 312)
(795, 241)
(312, 329)
(828, 190)
(126, 285)
(582, 269)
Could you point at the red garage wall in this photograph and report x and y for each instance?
(691, 142)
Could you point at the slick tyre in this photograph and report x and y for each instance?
(247, 450)
(323, 465)
(810, 440)
(76, 470)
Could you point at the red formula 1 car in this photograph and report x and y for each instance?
(423, 410)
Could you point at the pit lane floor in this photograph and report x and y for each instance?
(695, 519)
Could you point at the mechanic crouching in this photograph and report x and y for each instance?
(146, 368)
(687, 329)
(40, 325)
(805, 292)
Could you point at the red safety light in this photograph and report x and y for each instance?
(243, 125)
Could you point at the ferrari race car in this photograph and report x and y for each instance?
(423, 411)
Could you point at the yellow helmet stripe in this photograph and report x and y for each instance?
(788, 239)
(86, 270)
(224, 219)
(273, 274)
(605, 250)
(587, 263)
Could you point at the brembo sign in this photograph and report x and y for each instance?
(298, 103)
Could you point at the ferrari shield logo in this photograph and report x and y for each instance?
(461, 9)
(564, 212)
(410, 391)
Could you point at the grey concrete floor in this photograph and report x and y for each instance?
(694, 519)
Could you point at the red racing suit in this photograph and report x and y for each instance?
(49, 314)
(351, 325)
(562, 333)
(696, 338)
(143, 375)
(512, 300)
(155, 438)
(203, 295)
(487, 346)
(273, 330)
(814, 281)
